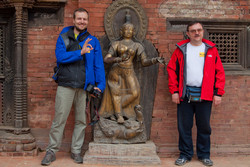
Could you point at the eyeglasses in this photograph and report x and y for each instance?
(194, 31)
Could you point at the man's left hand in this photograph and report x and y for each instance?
(217, 100)
(98, 89)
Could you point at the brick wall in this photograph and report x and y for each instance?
(230, 121)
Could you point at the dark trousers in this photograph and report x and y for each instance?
(185, 115)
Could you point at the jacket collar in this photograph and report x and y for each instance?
(72, 35)
(207, 43)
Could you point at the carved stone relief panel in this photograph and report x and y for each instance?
(137, 123)
(115, 17)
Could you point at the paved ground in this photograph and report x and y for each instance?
(64, 160)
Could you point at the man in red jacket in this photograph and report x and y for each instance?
(196, 80)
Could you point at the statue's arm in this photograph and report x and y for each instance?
(110, 57)
(145, 61)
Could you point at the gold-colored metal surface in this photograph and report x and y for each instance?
(122, 93)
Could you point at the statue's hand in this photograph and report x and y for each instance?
(125, 57)
(161, 60)
(118, 60)
(158, 60)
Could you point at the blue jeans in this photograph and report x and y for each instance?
(185, 115)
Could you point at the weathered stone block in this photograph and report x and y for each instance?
(9, 147)
(19, 147)
(120, 154)
(29, 147)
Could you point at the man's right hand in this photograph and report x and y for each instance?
(176, 98)
(86, 47)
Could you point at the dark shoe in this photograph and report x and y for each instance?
(48, 158)
(181, 161)
(207, 162)
(77, 158)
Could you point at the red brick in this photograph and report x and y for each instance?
(154, 1)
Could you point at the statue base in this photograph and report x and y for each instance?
(110, 132)
(122, 154)
(22, 144)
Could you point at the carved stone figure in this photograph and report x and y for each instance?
(122, 93)
(127, 103)
(120, 110)
(130, 129)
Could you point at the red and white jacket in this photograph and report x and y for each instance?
(213, 74)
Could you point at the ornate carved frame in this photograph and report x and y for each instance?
(20, 25)
(112, 11)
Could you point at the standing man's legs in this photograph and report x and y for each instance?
(80, 121)
(63, 104)
(202, 116)
(185, 114)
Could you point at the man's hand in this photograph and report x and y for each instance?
(86, 47)
(96, 88)
(217, 100)
(176, 98)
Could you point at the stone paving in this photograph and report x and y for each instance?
(64, 160)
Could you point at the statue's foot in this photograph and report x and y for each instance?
(113, 118)
(120, 119)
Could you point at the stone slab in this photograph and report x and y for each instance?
(122, 154)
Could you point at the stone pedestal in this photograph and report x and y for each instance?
(17, 145)
(122, 154)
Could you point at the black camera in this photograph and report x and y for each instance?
(95, 92)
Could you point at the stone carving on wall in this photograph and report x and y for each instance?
(205, 9)
(115, 17)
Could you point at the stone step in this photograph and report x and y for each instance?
(122, 154)
(143, 149)
(121, 160)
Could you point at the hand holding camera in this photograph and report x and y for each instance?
(94, 91)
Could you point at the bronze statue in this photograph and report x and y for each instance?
(122, 92)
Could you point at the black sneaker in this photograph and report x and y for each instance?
(77, 158)
(181, 161)
(48, 158)
(207, 162)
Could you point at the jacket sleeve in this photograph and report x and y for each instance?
(219, 76)
(99, 67)
(172, 74)
(65, 57)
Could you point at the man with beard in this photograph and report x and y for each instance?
(80, 64)
(196, 79)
